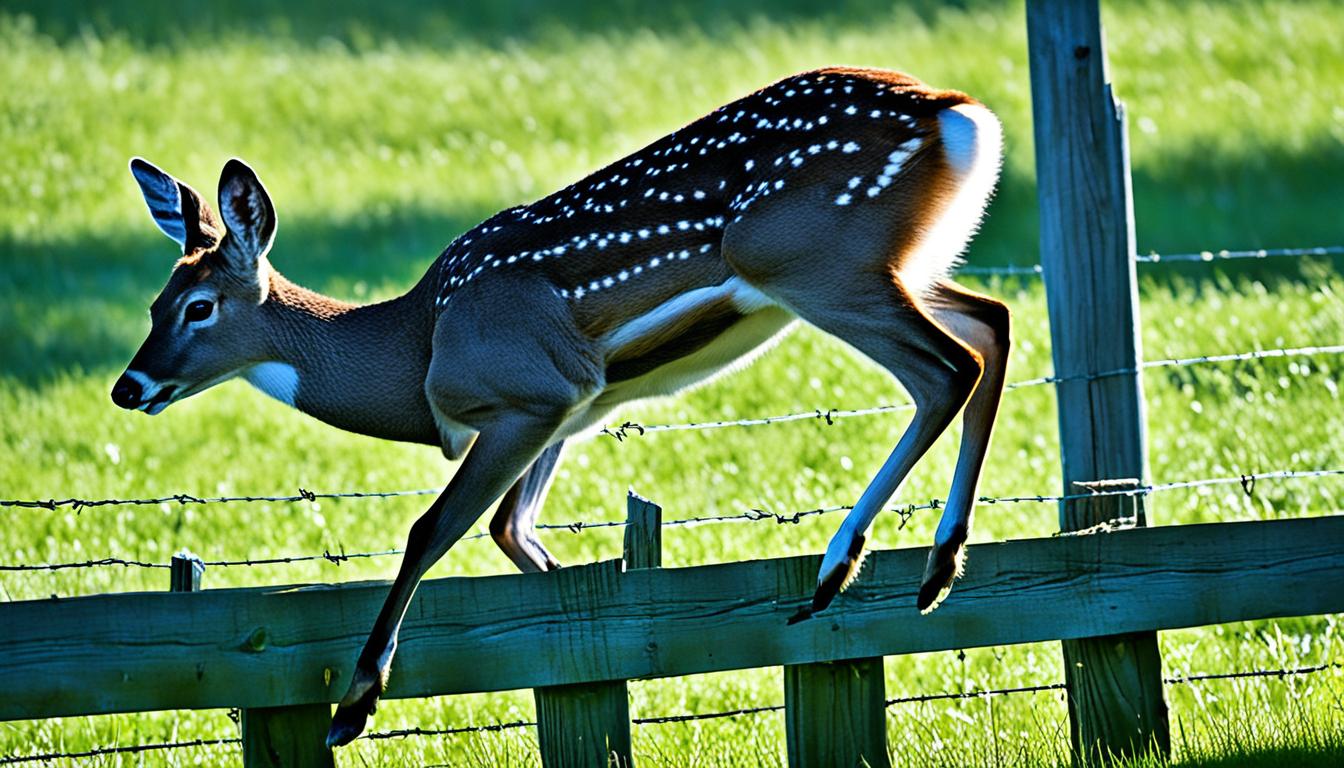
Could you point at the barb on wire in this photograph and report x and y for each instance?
(327, 555)
(831, 415)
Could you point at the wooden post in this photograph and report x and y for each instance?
(1087, 247)
(185, 573)
(272, 736)
(589, 725)
(834, 712)
(643, 533)
(1116, 702)
(287, 736)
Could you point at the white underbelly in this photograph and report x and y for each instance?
(764, 323)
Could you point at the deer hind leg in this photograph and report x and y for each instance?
(514, 526)
(984, 325)
(938, 370)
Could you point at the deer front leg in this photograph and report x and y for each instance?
(501, 453)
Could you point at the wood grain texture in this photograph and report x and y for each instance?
(287, 737)
(589, 724)
(835, 714)
(185, 573)
(580, 726)
(1117, 705)
(273, 646)
(643, 532)
(1087, 245)
(834, 711)
(1087, 242)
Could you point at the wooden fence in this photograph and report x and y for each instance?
(575, 636)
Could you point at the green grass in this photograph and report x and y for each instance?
(382, 135)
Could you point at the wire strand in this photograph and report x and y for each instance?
(1278, 673)
(905, 511)
(831, 415)
(1153, 257)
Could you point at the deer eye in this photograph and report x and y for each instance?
(198, 311)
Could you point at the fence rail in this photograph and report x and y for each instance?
(261, 647)
(575, 635)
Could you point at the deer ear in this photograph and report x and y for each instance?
(248, 215)
(177, 208)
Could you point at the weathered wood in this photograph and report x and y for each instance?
(1116, 700)
(835, 714)
(273, 737)
(1087, 243)
(185, 572)
(274, 646)
(589, 724)
(643, 533)
(1087, 247)
(584, 725)
(287, 737)
(834, 711)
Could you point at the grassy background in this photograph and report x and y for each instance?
(383, 133)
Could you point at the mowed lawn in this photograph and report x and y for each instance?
(383, 134)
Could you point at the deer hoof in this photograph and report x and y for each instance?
(352, 714)
(944, 567)
(833, 579)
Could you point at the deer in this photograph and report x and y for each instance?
(841, 197)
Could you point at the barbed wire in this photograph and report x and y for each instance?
(1153, 257)
(401, 733)
(85, 564)
(828, 416)
(831, 415)
(905, 513)
(130, 748)
(185, 498)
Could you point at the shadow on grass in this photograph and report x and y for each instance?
(81, 305)
(362, 25)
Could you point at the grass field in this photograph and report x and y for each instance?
(383, 134)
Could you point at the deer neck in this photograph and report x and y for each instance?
(361, 368)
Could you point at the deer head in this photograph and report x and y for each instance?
(207, 322)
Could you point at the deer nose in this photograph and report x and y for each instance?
(126, 392)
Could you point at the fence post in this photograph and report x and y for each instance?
(589, 724)
(272, 736)
(834, 712)
(1087, 247)
(185, 572)
(1116, 702)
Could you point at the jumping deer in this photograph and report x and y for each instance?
(843, 197)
